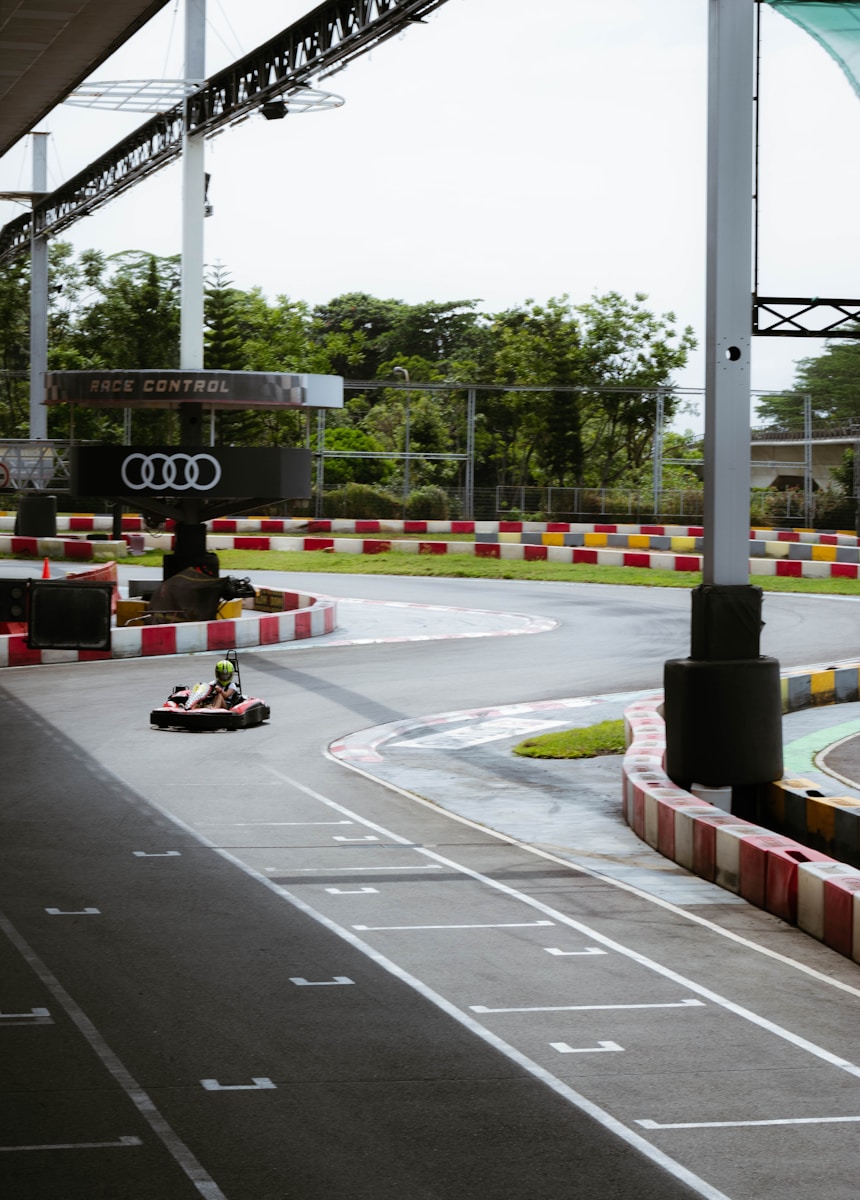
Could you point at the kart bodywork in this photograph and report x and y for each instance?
(175, 713)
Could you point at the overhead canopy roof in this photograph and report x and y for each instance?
(48, 47)
(835, 24)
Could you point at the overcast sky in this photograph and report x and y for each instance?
(502, 151)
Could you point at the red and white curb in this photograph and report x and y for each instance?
(309, 616)
(784, 877)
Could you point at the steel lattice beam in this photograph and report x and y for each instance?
(322, 42)
(805, 316)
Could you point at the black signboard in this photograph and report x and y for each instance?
(211, 389)
(66, 615)
(201, 472)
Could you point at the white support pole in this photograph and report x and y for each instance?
(38, 299)
(193, 200)
(728, 332)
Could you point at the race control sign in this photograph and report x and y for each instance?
(191, 471)
(211, 389)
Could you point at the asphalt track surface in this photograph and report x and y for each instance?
(233, 965)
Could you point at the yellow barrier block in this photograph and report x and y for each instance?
(553, 539)
(683, 545)
(821, 814)
(824, 553)
(229, 610)
(639, 541)
(129, 612)
(510, 537)
(822, 687)
(595, 539)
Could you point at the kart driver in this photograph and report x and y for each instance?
(223, 691)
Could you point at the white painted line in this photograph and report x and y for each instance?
(269, 824)
(176, 1148)
(123, 1142)
(479, 1008)
(339, 980)
(512, 925)
(157, 854)
(256, 1085)
(367, 838)
(81, 912)
(574, 953)
(362, 891)
(600, 1048)
(344, 870)
(744, 1124)
(36, 1016)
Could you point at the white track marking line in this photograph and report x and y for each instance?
(508, 925)
(480, 1008)
(176, 1148)
(744, 1124)
(573, 953)
(260, 1084)
(591, 934)
(600, 1048)
(613, 881)
(120, 1144)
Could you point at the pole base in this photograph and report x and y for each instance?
(723, 721)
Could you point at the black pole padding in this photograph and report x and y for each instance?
(726, 621)
(723, 721)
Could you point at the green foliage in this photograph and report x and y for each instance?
(843, 475)
(832, 380)
(834, 509)
(605, 738)
(427, 504)
(359, 470)
(14, 350)
(222, 340)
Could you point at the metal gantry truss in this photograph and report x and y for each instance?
(322, 42)
(805, 316)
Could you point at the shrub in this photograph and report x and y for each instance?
(428, 503)
(361, 501)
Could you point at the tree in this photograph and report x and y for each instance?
(222, 341)
(603, 362)
(339, 471)
(832, 380)
(370, 332)
(14, 349)
(135, 323)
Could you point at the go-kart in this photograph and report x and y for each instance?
(194, 707)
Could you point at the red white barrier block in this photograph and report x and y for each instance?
(812, 879)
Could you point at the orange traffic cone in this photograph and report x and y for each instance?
(46, 570)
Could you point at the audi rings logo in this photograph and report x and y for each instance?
(170, 472)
